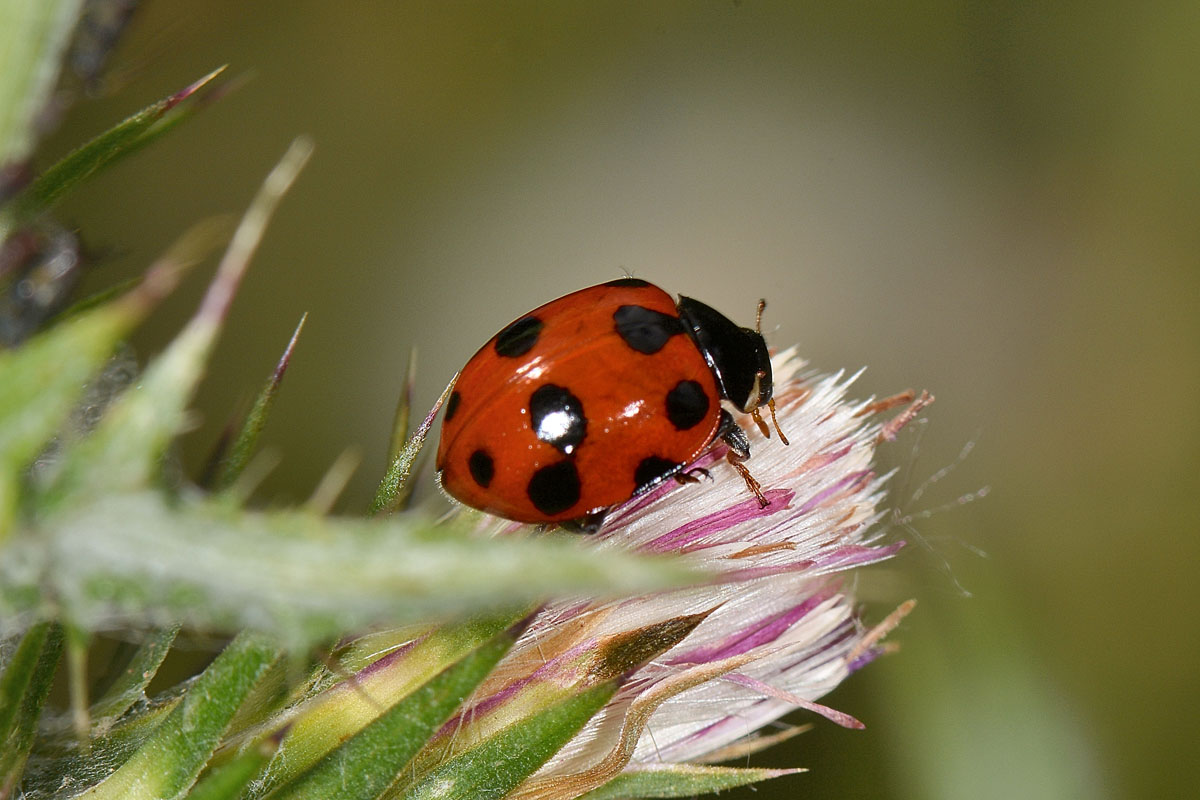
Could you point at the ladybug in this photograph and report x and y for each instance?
(597, 397)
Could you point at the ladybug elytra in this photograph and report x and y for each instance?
(596, 397)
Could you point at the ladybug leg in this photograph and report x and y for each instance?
(739, 451)
(753, 485)
(689, 476)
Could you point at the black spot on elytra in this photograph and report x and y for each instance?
(652, 470)
(629, 283)
(557, 417)
(645, 329)
(687, 405)
(483, 469)
(554, 488)
(519, 337)
(452, 406)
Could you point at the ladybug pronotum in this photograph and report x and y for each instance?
(596, 397)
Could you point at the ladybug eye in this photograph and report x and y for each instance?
(755, 398)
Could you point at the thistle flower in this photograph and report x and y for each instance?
(775, 631)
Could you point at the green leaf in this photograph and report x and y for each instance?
(40, 381)
(231, 463)
(32, 40)
(144, 560)
(23, 689)
(134, 132)
(681, 780)
(173, 755)
(370, 761)
(403, 407)
(396, 485)
(58, 760)
(228, 781)
(344, 710)
(130, 685)
(498, 764)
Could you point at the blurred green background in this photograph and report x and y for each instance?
(997, 202)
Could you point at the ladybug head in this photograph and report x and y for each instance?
(737, 356)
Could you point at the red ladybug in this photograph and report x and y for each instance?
(596, 397)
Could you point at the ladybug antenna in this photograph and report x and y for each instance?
(775, 422)
(755, 413)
